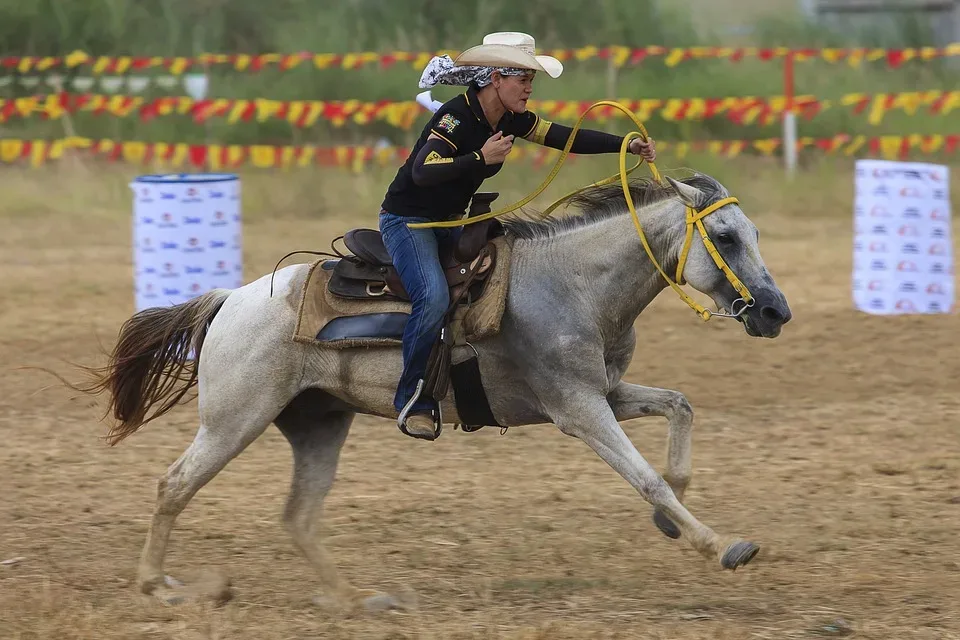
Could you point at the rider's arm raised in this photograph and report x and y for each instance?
(550, 134)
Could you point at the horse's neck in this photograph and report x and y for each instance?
(607, 259)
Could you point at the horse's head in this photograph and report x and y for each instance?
(737, 241)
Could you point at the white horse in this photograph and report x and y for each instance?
(576, 286)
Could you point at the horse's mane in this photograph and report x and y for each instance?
(599, 203)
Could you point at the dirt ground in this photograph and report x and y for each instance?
(834, 447)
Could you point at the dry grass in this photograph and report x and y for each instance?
(834, 447)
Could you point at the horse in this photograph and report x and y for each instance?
(577, 284)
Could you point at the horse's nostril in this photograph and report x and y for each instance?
(771, 314)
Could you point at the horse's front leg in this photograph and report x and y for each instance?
(589, 417)
(629, 401)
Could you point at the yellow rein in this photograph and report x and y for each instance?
(693, 218)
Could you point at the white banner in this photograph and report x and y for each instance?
(902, 245)
(186, 237)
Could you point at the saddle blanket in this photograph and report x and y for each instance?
(329, 321)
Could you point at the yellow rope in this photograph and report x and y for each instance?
(459, 222)
(692, 218)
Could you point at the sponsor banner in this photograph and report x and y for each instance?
(902, 245)
(186, 237)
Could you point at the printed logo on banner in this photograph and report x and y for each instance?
(145, 195)
(905, 305)
(879, 212)
(937, 249)
(219, 219)
(170, 270)
(216, 195)
(910, 248)
(912, 192)
(192, 195)
(875, 285)
(881, 191)
(217, 244)
(878, 265)
(905, 266)
(908, 286)
(146, 245)
(168, 196)
(937, 214)
(908, 230)
(879, 229)
(912, 212)
(236, 241)
(149, 291)
(858, 211)
(878, 303)
(878, 247)
(187, 220)
(167, 221)
(147, 220)
(171, 291)
(934, 306)
(193, 245)
(149, 271)
(193, 270)
(938, 268)
(936, 289)
(195, 288)
(169, 246)
(938, 232)
(221, 269)
(939, 194)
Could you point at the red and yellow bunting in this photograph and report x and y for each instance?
(403, 115)
(617, 55)
(358, 158)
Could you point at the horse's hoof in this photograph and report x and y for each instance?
(367, 600)
(212, 586)
(738, 554)
(665, 524)
(382, 602)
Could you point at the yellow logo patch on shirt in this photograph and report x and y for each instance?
(448, 123)
(435, 158)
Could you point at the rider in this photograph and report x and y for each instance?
(465, 142)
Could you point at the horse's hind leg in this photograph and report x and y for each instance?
(317, 435)
(214, 446)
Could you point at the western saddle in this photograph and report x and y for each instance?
(368, 272)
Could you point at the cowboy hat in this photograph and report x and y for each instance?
(509, 49)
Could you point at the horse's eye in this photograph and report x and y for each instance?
(725, 238)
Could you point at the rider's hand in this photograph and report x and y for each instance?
(496, 148)
(646, 149)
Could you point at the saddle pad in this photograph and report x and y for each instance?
(318, 308)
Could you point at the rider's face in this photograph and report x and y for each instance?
(514, 90)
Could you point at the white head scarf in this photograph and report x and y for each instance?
(441, 70)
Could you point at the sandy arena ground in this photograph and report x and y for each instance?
(834, 447)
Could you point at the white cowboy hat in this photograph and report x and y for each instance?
(509, 49)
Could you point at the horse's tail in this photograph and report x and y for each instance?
(151, 363)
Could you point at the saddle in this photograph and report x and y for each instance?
(367, 272)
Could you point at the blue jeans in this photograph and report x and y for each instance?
(415, 254)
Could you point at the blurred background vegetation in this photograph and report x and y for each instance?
(191, 27)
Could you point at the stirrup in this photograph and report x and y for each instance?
(436, 414)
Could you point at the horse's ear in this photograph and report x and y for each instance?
(689, 195)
